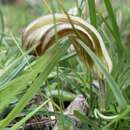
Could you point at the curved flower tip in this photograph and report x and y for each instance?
(42, 31)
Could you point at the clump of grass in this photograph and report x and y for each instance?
(57, 69)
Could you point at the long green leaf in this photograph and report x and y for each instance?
(19, 84)
(92, 12)
(52, 57)
(114, 25)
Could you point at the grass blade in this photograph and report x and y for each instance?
(22, 121)
(92, 12)
(2, 25)
(114, 25)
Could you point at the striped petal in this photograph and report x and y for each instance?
(42, 33)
